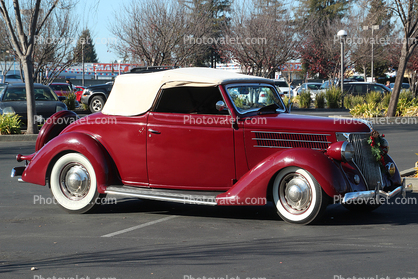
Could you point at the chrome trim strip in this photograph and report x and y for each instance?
(292, 140)
(290, 133)
(163, 198)
(286, 147)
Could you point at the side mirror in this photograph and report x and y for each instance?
(220, 106)
(62, 98)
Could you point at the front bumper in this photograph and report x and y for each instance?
(359, 197)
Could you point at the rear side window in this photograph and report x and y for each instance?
(190, 100)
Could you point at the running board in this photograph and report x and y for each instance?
(179, 196)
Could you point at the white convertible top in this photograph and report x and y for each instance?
(134, 94)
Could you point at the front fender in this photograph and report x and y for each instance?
(253, 186)
(37, 170)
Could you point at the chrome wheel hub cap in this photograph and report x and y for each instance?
(75, 181)
(295, 193)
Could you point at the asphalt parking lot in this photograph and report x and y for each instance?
(147, 239)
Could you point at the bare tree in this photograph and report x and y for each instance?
(407, 12)
(54, 47)
(157, 32)
(22, 38)
(6, 50)
(260, 41)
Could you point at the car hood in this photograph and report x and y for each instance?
(286, 122)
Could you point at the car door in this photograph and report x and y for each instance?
(190, 145)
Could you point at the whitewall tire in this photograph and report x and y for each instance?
(73, 183)
(298, 197)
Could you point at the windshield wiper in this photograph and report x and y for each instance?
(268, 109)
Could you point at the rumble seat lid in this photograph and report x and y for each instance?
(134, 94)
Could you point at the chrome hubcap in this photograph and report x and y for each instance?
(74, 181)
(295, 193)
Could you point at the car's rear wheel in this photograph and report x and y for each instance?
(298, 196)
(97, 103)
(73, 183)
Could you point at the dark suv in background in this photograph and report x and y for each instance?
(362, 88)
(95, 96)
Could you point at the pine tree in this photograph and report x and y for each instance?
(90, 55)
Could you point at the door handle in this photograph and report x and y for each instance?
(154, 131)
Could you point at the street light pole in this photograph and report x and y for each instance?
(82, 62)
(342, 34)
(373, 27)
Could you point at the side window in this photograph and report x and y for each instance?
(377, 88)
(190, 100)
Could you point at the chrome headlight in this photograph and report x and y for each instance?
(341, 151)
(347, 151)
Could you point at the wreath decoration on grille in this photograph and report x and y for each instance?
(379, 147)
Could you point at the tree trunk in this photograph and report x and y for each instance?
(27, 65)
(393, 104)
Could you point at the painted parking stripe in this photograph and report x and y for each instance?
(139, 226)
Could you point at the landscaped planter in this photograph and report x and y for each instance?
(413, 181)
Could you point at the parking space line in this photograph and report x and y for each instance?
(139, 226)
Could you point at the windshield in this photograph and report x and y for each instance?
(312, 86)
(19, 94)
(248, 98)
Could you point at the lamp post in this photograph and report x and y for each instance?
(373, 27)
(82, 62)
(342, 34)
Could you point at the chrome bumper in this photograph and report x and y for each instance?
(353, 197)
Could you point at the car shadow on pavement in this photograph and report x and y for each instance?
(400, 212)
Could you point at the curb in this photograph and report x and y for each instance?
(22, 137)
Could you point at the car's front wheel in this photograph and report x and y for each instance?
(97, 103)
(73, 183)
(298, 196)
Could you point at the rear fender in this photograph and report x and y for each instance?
(252, 188)
(41, 164)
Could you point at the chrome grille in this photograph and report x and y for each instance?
(290, 140)
(365, 161)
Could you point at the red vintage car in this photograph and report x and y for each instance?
(206, 136)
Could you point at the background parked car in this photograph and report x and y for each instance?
(362, 88)
(404, 86)
(79, 91)
(13, 100)
(312, 87)
(95, 96)
(11, 78)
(283, 87)
(61, 88)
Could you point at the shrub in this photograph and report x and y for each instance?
(385, 100)
(320, 100)
(333, 97)
(351, 101)
(70, 101)
(373, 97)
(286, 101)
(305, 99)
(10, 124)
(366, 110)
